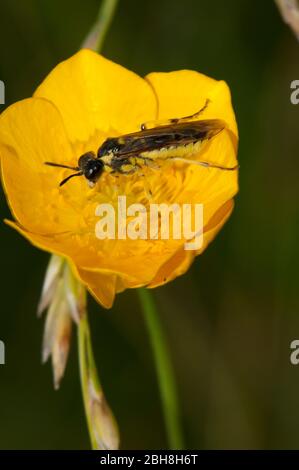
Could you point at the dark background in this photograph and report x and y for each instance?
(231, 319)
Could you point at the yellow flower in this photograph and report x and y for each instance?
(84, 100)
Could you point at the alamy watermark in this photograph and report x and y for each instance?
(2, 92)
(2, 353)
(159, 221)
(294, 97)
(294, 356)
(2, 345)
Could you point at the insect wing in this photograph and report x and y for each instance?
(170, 135)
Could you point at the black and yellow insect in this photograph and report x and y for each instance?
(178, 140)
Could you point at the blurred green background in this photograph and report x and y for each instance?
(231, 319)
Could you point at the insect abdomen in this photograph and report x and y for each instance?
(181, 151)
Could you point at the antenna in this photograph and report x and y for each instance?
(69, 177)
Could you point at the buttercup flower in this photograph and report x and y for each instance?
(84, 100)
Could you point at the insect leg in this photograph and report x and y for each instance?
(153, 124)
(205, 164)
(149, 163)
(192, 116)
(147, 190)
(126, 172)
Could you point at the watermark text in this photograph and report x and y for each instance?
(160, 221)
(2, 353)
(2, 92)
(294, 97)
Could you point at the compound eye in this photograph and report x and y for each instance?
(85, 159)
(94, 170)
(90, 172)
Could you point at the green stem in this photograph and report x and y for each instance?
(86, 362)
(98, 32)
(102, 427)
(164, 370)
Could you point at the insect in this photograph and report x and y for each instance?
(177, 140)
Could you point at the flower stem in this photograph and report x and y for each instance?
(84, 351)
(102, 427)
(96, 36)
(164, 370)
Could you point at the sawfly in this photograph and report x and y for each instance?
(177, 140)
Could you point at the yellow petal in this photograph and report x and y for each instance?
(92, 93)
(182, 259)
(32, 132)
(101, 286)
(185, 92)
